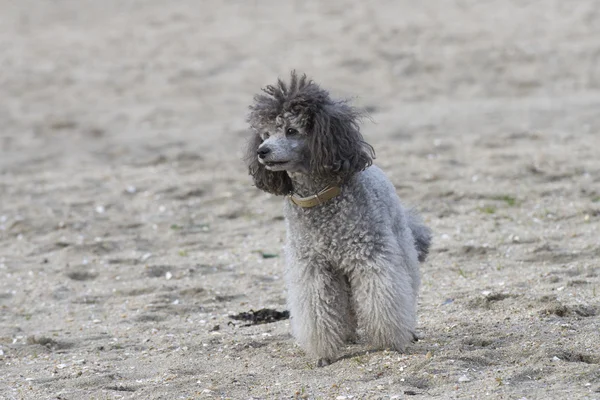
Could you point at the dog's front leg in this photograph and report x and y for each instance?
(319, 304)
(385, 301)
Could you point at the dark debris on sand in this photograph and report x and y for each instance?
(262, 316)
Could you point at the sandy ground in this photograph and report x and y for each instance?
(129, 229)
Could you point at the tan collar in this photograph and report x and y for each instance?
(324, 195)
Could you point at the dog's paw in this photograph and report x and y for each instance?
(323, 362)
(415, 338)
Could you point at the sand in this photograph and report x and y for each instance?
(130, 230)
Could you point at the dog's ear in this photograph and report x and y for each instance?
(335, 142)
(276, 182)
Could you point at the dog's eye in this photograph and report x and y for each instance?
(291, 131)
(266, 135)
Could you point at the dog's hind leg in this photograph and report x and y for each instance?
(319, 304)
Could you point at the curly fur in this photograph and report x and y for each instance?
(352, 263)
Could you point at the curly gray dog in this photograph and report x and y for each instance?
(353, 250)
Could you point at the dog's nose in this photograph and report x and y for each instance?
(263, 151)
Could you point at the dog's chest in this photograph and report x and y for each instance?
(336, 232)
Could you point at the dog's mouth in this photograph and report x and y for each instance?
(274, 164)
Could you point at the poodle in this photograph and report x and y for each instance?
(352, 249)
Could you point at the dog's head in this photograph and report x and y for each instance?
(299, 128)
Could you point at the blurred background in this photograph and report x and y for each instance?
(112, 76)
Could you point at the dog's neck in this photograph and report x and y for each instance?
(308, 184)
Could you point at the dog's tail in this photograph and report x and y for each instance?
(421, 234)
